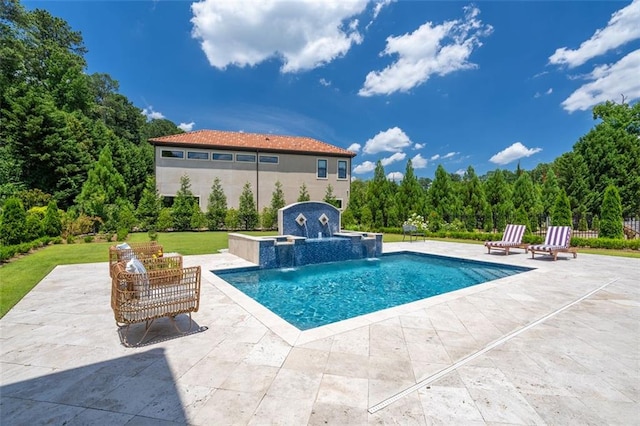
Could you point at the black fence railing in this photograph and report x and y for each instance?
(630, 227)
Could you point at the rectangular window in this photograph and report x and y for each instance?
(196, 155)
(246, 158)
(218, 156)
(322, 169)
(170, 153)
(339, 203)
(271, 159)
(342, 169)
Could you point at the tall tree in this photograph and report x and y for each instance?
(442, 197)
(247, 213)
(550, 190)
(410, 197)
(329, 196)
(526, 196)
(498, 193)
(103, 188)
(52, 223)
(379, 197)
(473, 200)
(13, 222)
(561, 215)
(184, 204)
(217, 206)
(150, 205)
(304, 194)
(611, 214)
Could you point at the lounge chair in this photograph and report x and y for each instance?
(412, 232)
(556, 241)
(512, 237)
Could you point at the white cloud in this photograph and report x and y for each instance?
(363, 168)
(395, 176)
(431, 49)
(325, 82)
(623, 27)
(460, 172)
(151, 114)
(550, 91)
(391, 140)
(355, 147)
(417, 162)
(435, 157)
(608, 82)
(187, 127)
(305, 34)
(419, 146)
(512, 153)
(449, 155)
(398, 156)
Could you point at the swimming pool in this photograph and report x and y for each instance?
(320, 294)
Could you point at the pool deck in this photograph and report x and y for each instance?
(556, 345)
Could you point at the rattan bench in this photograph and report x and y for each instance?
(142, 251)
(166, 290)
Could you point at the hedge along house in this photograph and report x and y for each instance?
(259, 159)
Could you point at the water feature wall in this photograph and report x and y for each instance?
(309, 219)
(309, 233)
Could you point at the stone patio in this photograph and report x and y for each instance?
(557, 345)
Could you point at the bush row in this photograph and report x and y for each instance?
(7, 252)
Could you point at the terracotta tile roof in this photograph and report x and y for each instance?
(251, 142)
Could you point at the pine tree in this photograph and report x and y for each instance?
(52, 222)
(277, 198)
(103, 188)
(183, 205)
(550, 190)
(379, 197)
(217, 206)
(329, 197)
(303, 195)
(149, 205)
(410, 197)
(442, 197)
(611, 214)
(13, 222)
(498, 193)
(561, 215)
(526, 195)
(247, 214)
(473, 199)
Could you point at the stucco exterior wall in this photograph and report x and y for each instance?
(292, 170)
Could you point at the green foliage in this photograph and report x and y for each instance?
(165, 220)
(217, 206)
(13, 222)
(561, 215)
(52, 222)
(550, 190)
(183, 205)
(442, 197)
(103, 188)
(498, 193)
(595, 223)
(269, 214)
(33, 198)
(149, 205)
(247, 214)
(232, 219)
(611, 212)
(380, 198)
(33, 226)
(329, 197)
(473, 199)
(198, 219)
(410, 198)
(304, 194)
(267, 218)
(522, 218)
(525, 195)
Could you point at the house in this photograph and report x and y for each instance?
(259, 159)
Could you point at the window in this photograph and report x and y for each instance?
(196, 155)
(247, 158)
(218, 156)
(338, 203)
(342, 169)
(322, 169)
(167, 153)
(271, 159)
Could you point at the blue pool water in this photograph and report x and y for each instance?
(315, 295)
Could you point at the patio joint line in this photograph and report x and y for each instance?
(482, 351)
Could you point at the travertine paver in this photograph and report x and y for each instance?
(61, 360)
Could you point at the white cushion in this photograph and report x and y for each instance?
(141, 280)
(124, 252)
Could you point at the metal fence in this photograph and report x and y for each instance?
(631, 229)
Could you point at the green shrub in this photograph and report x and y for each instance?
(13, 222)
(52, 222)
(88, 239)
(232, 220)
(122, 234)
(71, 239)
(611, 212)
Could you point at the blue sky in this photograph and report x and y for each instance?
(487, 84)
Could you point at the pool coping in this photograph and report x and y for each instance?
(294, 336)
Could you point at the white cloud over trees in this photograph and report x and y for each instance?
(432, 49)
(512, 153)
(391, 140)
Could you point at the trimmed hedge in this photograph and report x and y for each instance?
(7, 252)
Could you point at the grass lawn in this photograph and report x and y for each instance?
(19, 276)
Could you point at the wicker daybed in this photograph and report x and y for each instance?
(165, 290)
